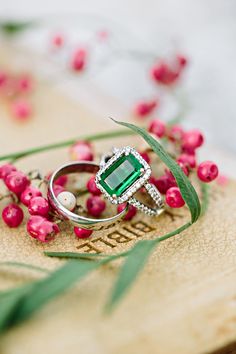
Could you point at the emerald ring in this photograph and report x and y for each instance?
(122, 174)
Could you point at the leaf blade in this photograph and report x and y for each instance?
(130, 270)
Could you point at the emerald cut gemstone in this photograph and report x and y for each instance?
(121, 175)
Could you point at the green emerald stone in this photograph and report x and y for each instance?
(121, 175)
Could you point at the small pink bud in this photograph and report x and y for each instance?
(91, 186)
(189, 160)
(58, 40)
(42, 229)
(164, 182)
(182, 60)
(6, 169)
(175, 133)
(132, 211)
(82, 233)
(21, 110)
(192, 140)
(38, 206)
(78, 61)
(12, 215)
(95, 205)
(24, 84)
(157, 127)
(143, 109)
(207, 171)
(81, 151)
(29, 193)
(174, 198)
(16, 182)
(145, 156)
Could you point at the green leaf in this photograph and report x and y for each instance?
(88, 256)
(205, 197)
(10, 301)
(14, 27)
(129, 271)
(187, 190)
(20, 303)
(24, 265)
(62, 144)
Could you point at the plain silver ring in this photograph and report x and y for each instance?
(75, 219)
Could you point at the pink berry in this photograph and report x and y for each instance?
(192, 140)
(183, 167)
(42, 229)
(79, 60)
(29, 193)
(82, 233)
(16, 182)
(157, 127)
(21, 109)
(95, 205)
(142, 109)
(12, 215)
(3, 79)
(103, 35)
(189, 160)
(182, 60)
(174, 198)
(163, 74)
(164, 182)
(159, 72)
(132, 211)
(91, 186)
(175, 133)
(58, 40)
(207, 171)
(57, 189)
(61, 181)
(145, 156)
(81, 151)
(38, 206)
(6, 169)
(24, 84)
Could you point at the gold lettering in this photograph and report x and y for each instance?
(142, 226)
(129, 229)
(106, 242)
(88, 247)
(119, 237)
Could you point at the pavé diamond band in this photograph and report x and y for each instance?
(122, 174)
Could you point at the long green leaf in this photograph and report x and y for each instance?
(20, 303)
(187, 190)
(129, 271)
(24, 265)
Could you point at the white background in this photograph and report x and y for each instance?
(204, 29)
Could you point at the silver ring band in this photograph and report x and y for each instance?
(75, 219)
(155, 195)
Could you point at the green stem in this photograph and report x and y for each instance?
(101, 136)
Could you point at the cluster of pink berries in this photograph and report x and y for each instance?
(186, 144)
(165, 74)
(15, 92)
(78, 59)
(42, 223)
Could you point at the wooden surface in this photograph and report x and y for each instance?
(185, 300)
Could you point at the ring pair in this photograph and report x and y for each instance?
(119, 176)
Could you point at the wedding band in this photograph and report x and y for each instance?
(75, 219)
(122, 174)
